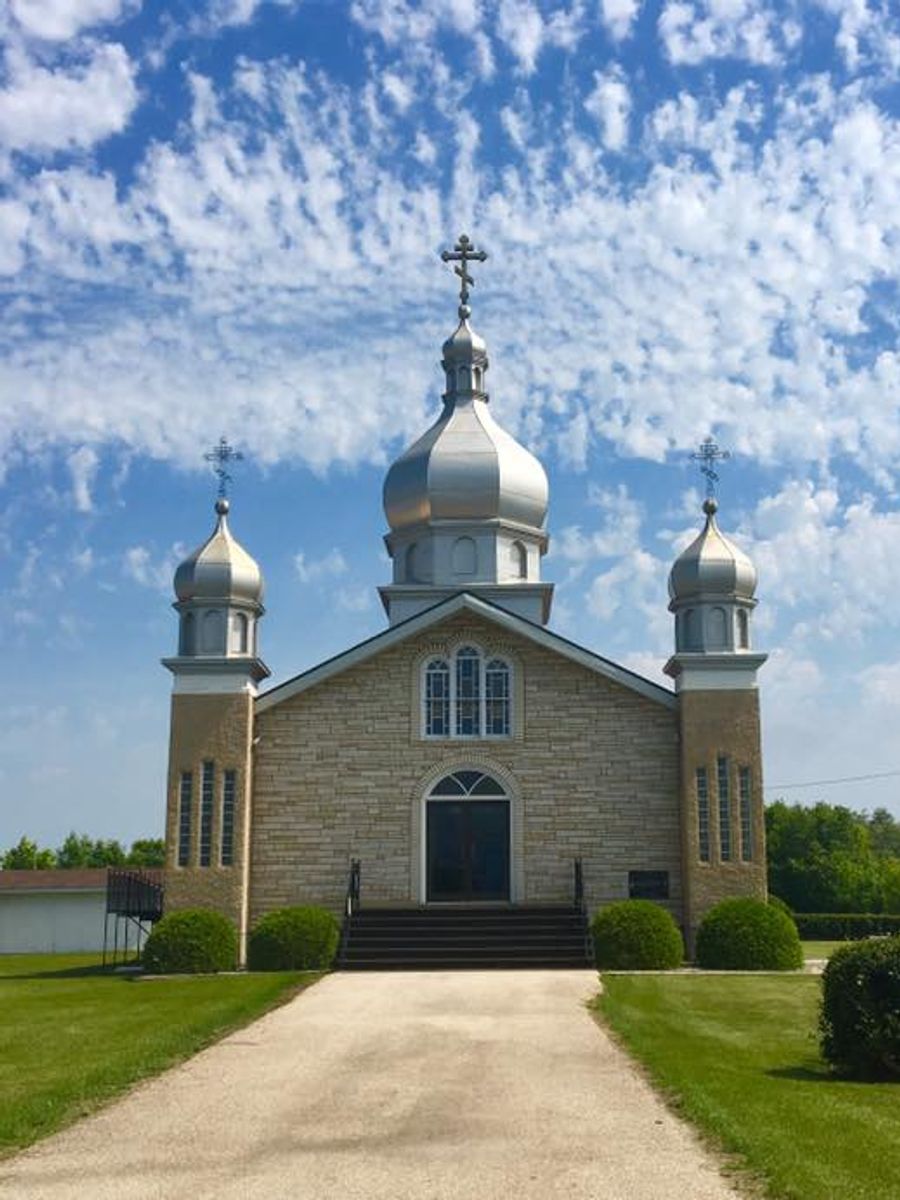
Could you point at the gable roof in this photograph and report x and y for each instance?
(396, 634)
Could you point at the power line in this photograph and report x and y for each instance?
(784, 787)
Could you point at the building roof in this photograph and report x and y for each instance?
(465, 601)
(56, 880)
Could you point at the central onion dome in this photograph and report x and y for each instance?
(465, 467)
(220, 569)
(712, 565)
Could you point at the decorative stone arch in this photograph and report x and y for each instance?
(468, 758)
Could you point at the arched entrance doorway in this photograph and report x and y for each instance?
(467, 823)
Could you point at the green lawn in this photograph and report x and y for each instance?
(738, 1056)
(821, 949)
(72, 1036)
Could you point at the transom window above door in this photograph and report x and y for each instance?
(467, 695)
(467, 783)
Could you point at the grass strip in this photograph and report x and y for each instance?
(72, 1036)
(738, 1056)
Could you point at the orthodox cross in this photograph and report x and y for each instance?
(709, 454)
(464, 252)
(221, 455)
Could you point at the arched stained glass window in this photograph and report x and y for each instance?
(437, 698)
(496, 698)
(467, 783)
(467, 697)
(468, 692)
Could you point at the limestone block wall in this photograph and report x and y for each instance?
(717, 723)
(217, 728)
(341, 769)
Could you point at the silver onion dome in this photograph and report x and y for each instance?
(465, 467)
(712, 565)
(220, 569)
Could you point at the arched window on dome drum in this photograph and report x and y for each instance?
(743, 625)
(239, 633)
(464, 556)
(437, 698)
(468, 692)
(518, 557)
(211, 641)
(478, 379)
(464, 379)
(409, 572)
(717, 629)
(188, 635)
(496, 698)
(691, 630)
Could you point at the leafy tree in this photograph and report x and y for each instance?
(25, 856)
(884, 833)
(79, 851)
(147, 852)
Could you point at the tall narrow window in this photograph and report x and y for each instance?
(743, 625)
(703, 814)
(206, 812)
(744, 795)
(188, 639)
(185, 800)
(228, 786)
(496, 698)
(468, 692)
(239, 638)
(724, 809)
(518, 557)
(465, 556)
(437, 698)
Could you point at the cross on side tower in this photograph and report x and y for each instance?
(464, 252)
(222, 454)
(708, 454)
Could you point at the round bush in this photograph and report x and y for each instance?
(293, 939)
(194, 940)
(859, 1022)
(636, 935)
(748, 935)
(777, 902)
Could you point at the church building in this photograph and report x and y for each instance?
(466, 757)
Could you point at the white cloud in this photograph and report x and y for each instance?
(521, 28)
(398, 90)
(610, 105)
(76, 106)
(695, 30)
(58, 20)
(82, 464)
(331, 565)
(618, 16)
(880, 685)
(140, 566)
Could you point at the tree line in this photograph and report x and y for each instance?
(829, 859)
(79, 851)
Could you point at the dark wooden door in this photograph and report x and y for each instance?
(468, 850)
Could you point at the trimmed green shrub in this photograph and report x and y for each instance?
(744, 934)
(636, 935)
(293, 939)
(192, 941)
(859, 1022)
(777, 902)
(846, 927)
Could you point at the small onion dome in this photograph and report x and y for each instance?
(466, 468)
(464, 344)
(220, 569)
(712, 565)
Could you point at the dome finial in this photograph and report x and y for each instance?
(222, 454)
(464, 252)
(709, 454)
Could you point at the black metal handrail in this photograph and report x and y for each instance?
(581, 905)
(351, 906)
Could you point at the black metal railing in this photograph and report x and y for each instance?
(581, 906)
(134, 901)
(351, 907)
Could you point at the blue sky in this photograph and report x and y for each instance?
(225, 217)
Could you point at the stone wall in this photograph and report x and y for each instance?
(341, 769)
(216, 728)
(714, 723)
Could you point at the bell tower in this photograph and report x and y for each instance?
(219, 590)
(712, 588)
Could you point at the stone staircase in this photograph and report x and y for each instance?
(464, 938)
